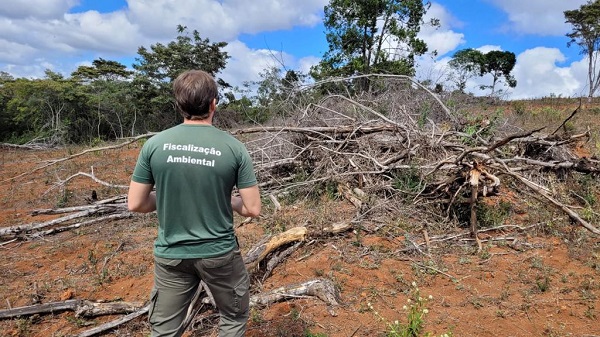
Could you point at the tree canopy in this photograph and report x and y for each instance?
(468, 63)
(102, 69)
(157, 67)
(372, 36)
(105, 100)
(162, 63)
(586, 34)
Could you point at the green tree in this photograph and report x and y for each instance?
(468, 63)
(372, 36)
(5, 77)
(500, 65)
(109, 97)
(268, 98)
(114, 108)
(274, 93)
(8, 128)
(102, 69)
(161, 64)
(586, 34)
(52, 109)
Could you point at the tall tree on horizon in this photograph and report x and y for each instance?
(372, 36)
(157, 67)
(102, 69)
(586, 34)
(499, 64)
(468, 63)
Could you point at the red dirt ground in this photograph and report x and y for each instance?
(546, 283)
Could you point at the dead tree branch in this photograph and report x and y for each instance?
(56, 161)
(101, 211)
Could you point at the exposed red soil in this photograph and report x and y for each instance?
(546, 283)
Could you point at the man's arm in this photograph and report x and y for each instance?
(248, 203)
(140, 198)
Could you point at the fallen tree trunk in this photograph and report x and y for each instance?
(115, 323)
(82, 308)
(258, 253)
(321, 288)
(101, 211)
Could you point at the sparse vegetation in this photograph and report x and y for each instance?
(416, 312)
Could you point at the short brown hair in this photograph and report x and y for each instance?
(194, 91)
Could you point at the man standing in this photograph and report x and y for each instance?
(195, 167)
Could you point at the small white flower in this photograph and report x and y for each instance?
(431, 297)
(405, 307)
(425, 311)
(414, 284)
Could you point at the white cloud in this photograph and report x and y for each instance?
(109, 32)
(43, 29)
(442, 39)
(488, 48)
(443, 42)
(538, 75)
(13, 52)
(536, 71)
(159, 18)
(447, 20)
(305, 63)
(223, 20)
(246, 64)
(264, 15)
(42, 9)
(540, 17)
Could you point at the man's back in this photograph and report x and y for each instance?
(194, 169)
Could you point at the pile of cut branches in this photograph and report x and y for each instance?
(400, 148)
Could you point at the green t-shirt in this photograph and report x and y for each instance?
(194, 169)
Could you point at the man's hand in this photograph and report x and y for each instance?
(141, 198)
(248, 203)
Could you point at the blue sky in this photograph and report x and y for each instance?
(63, 34)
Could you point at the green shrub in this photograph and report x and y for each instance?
(416, 311)
(407, 180)
(519, 107)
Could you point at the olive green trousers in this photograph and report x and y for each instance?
(176, 281)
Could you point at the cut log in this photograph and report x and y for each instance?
(115, 323)
(82, 308)
(257, 254)
(321, 288)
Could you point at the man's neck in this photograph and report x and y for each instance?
(207, 121)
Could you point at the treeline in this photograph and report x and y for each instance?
(105, 100)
